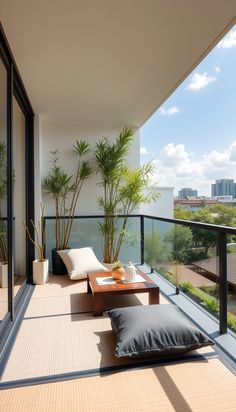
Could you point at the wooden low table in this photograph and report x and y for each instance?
(119, 288)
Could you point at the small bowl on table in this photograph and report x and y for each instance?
(118, 273)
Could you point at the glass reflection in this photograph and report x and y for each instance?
(3, 194)
(19, 235)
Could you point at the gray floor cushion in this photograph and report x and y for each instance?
(155, 330)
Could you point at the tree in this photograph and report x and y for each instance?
(66, 189)
(223, 215)
(155, 249)
(204, 237)
(123, 190)
(180, 237)
(183, 214)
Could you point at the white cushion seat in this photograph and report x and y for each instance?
(80, 261)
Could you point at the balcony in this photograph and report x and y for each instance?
(61, 346)
(84, 70)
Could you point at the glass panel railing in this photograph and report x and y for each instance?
(199, 268)
(159, 251)
(187, 257)
(231, 279)
(86, 233)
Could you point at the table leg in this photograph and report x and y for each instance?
(97, 305)
(154, 297)
(89, 290)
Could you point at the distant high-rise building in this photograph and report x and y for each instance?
(187, 192)
(223, 187)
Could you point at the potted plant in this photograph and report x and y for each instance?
(3, 255)
(123, 191)
(40, 265)
(3, 221)
(118, 271)
(65, 191)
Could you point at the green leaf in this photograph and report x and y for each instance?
(81, 148)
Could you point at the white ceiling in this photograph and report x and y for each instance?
(109, 61)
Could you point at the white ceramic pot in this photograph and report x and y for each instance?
(40, 272)
(3, 275)
(130, 272)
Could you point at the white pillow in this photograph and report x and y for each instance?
(79, 262)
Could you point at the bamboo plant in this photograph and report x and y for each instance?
(3, 195)
(65, 190)
(40, 237)
(122, 191)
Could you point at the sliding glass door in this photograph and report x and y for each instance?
(3, 194)
(16, 189)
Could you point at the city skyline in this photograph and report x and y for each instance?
(221, 187)
(192, 137)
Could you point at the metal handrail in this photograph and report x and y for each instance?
(222, 232)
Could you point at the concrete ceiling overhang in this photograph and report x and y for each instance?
(109, 61)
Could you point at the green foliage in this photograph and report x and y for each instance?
(211, 304)
(40, 235)
(66, 189)
(186, 286)
(118, 265)
(231, 321)
(201, 296)
(167, 275)
(122, 190)
(211, 290)
(3, 240)
(224, 215)
(183, 214)
(218, 215)
(180, 237)
(204, 237)
(155, 249)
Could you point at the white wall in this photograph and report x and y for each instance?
(164, 206)
(62, 136)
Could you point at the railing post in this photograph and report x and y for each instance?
(142, 238)
(223, 281)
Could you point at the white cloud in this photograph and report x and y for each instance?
(232, 152)
(217, 69)
(144, 151)
(199, 81)
(170, 111)
(177, 167)
(228, 41)
(173, 155)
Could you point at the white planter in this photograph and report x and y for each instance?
(3, 275)
(40, 272)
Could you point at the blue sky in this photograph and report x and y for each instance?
(192, 137)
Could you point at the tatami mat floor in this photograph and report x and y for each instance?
(56, 338)
(196, 386)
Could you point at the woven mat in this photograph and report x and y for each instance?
(62, 296)
(195, 386)
(64, 344)
(54, 339)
